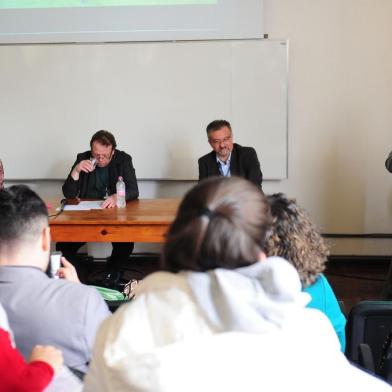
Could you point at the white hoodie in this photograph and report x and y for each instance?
(241, 330)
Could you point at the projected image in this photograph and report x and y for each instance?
(95, 3)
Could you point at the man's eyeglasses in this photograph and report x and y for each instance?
(102, 156)
(216, 142)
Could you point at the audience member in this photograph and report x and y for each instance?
(227, 158)
(1, 175)
(294, 237)
(221, 317)
(94, 176)
(40, 310)
(18, 375)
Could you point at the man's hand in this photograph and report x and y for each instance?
(110, 202)
(49, 354)
(68, 271)
(84, 166)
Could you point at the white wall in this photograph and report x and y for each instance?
(340, 117)
(340, 121)
(340, 89)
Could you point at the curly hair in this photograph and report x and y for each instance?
(293, 236)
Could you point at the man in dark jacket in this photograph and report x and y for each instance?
(228, 158)
(94, 176)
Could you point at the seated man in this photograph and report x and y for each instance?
(58, 312)
(94, 176)
(228, 158)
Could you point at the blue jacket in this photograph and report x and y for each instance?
(324, 299)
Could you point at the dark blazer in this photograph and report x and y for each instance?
(120, 165)
(244, 163)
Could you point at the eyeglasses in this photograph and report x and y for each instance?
(216, 142)
(101, 156)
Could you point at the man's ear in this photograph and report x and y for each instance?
(46, 239)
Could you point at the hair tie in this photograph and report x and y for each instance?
(207, 212)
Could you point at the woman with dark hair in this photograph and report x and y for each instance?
(294, 237)
(221, 317)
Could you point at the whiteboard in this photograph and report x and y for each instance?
(156, 98)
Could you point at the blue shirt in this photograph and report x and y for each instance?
(324, 299)
(224, 167)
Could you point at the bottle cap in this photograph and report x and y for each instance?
(120, 178)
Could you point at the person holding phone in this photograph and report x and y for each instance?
(59, 312)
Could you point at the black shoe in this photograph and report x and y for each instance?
(112, 280)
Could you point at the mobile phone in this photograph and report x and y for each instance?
(55, 264)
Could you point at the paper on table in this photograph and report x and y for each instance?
(84, 206)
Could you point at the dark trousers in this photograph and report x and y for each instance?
(119, 258)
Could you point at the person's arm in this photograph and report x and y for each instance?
(388, 162)
(94, 380)
(324, 299)
(126, 170)
(202, 169)
(82, 166)
(71, 186)
(254, 173)
(68, 271)
(334, 313)
(129, 177)
(17, 375)
(96, 312)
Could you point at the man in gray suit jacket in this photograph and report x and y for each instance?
(59, 312)
(228, 158)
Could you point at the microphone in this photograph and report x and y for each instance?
(59, 210)
(63, 203)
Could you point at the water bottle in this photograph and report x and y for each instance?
(120, 190)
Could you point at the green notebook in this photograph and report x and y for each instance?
(109, 294)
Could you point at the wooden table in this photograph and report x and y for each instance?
(144, 220)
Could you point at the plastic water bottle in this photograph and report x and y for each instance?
(120, 190)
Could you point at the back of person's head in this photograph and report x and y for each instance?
(216, 125)
(104, 137)
(294, 237)
(23, 216)
(221, 223)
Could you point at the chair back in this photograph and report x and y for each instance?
(368, 322)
